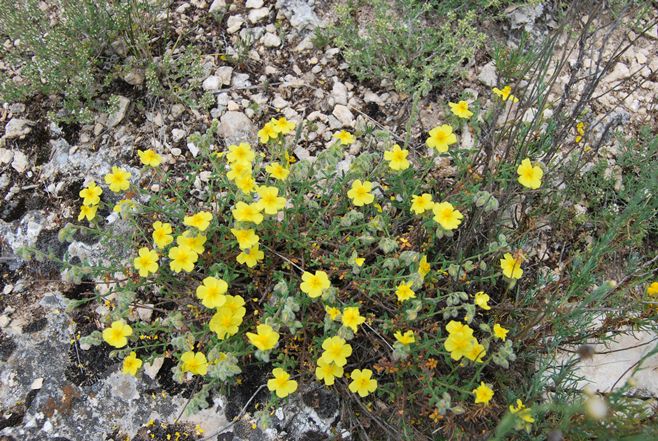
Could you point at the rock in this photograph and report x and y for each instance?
(344, 115)
(339, 93)
(6, 156)
(271, 40)
(20, 162)
(17, 127)
(279, 103)
(305, 44)
(224, 74)
(620, 72)
(211, 84)
(299, 13)
(254, 4)
(177, 110)
(116, 117)
(193, 149)
(217, 6)
(525, 16)
(234, 23)
(152, 369)
(178, 134)
(135, 77)
(123, 386)
(488, 75)
(236, 127)
(240, 81)
(37, 384)
(256, 15)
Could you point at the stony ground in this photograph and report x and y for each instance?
(53, 388)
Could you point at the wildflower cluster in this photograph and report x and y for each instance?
(315, 273)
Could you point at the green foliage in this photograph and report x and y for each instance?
(408, 43)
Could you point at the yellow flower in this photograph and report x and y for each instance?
(529, 175)
(362, 382)
(118, 180)
(147, 262)
(200, 220)
(505, 93)
(441, 137)
(195, 363)
(404, 291)
(524, 415)
(116, 335)
(483, 393)
(421, 204)
(423, 266)
(162, 234)
(282, 125)
(182, 259)
(91, 194)
(652, 289)
(238, 169)
(447, 216)
(277, 171)
(149, 157)
(406, 339)
(250, 257)
(352, 318)
(314, 284)
(281, 384)
(345, 138)
(240, 153)
(336, 350)
(246, 184)
(267, 132)
(131, 364)
(328, 372)
(123, 206)
(360, 193)
(476, 351)
(247, 213)
(211, 292)
(580, 128)
(461, 109)
(270, 202)
(397, 158)
(228, 317)
(482, 299)
(88, 212)
(359, 261)
(265, 338)
(246, 238)
(511, 266)
(192, 241)
(460, 340)
(500, 332)
(332, 311)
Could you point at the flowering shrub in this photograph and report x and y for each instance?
(379, 281)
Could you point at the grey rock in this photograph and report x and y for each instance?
(241, 80)
(254, 4)
(25, 233)
(525, 16)
(488, 75)
(6, 155)
(17, 127)
(299, 13)
(339, 93)
(20, 162)
(343, 115)
(256, 15)
(271, 40)
(234, 23)
(211, 84)
(135, 77)
(236, 127)
(116, 117)
(217, 6)
(224, 74)
(177, 134)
